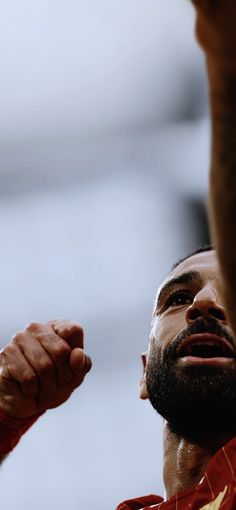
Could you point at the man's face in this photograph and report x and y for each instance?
(191, 366)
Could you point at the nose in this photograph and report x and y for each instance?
(205, 305)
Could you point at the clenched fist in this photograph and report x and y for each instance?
(216, 28)
(41, 366)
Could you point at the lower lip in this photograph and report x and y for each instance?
(194, 360)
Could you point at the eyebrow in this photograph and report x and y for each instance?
(188, 277)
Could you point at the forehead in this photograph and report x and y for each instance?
(204, 263)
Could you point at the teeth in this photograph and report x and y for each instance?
(200, 344)
(206, 350)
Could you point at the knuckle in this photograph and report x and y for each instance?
(33, 327)
(74, 327)
(8, 351)
(17, 338)
(8, 358)
(53, 321)
(29, 377)
(67, 325)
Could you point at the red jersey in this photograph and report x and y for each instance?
(216, 490)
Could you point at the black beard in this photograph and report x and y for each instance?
(198, 402)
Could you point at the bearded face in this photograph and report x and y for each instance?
(191, 366)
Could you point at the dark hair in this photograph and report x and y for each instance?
(206, 247)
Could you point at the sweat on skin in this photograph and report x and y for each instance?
(190, 369)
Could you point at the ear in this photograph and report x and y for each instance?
(143, 394)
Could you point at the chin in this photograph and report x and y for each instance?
(199, 403)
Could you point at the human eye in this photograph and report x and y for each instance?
(179, 298)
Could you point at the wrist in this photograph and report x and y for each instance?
(11, 430)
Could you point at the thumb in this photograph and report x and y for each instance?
(70, 331)
(80, 362)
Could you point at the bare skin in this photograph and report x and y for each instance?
(37, 374)
(217, 36)
(41, 367)
(185, 462)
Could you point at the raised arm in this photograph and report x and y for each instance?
(39, 369)
(216, 33)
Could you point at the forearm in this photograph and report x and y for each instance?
(216, 34)
(222, 90)
(11, 431)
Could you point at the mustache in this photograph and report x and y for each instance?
(199, 326)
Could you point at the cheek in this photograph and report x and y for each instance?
(167, 328)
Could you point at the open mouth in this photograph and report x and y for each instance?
(206, 346)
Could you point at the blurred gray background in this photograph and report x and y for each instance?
(104, 154)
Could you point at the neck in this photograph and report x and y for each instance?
(185, 462)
